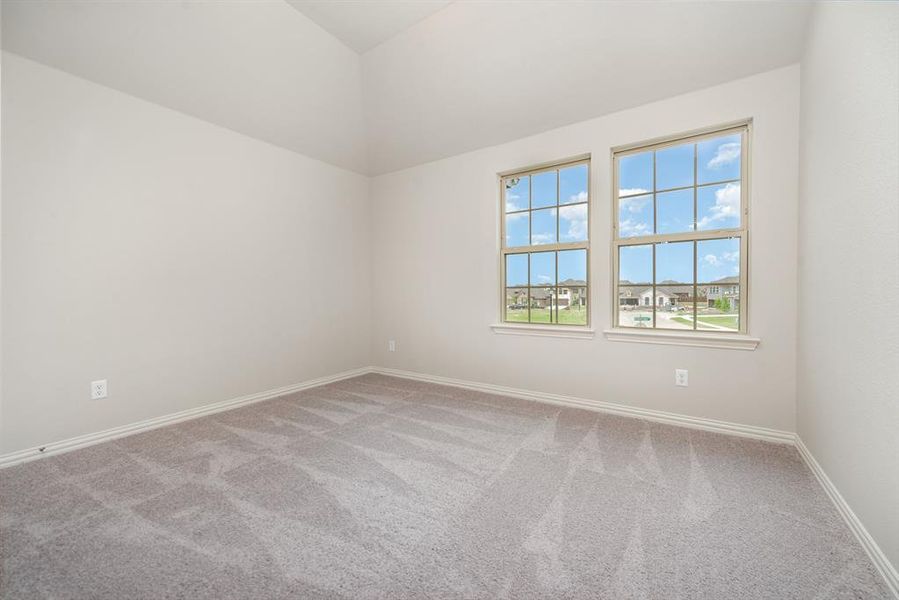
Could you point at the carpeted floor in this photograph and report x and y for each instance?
(378, 487)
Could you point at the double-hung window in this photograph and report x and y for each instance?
(545, 244)
(680, 232)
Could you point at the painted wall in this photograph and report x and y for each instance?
(436, 274)
(260, 68)
(185, 263)
(848, 386)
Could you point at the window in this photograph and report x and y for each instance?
(680, 232)
(545, 244)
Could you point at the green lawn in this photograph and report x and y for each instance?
(729, 321)
(544, 315)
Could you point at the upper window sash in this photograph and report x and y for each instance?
(682, 188)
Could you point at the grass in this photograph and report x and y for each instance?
(572, 316)
(731, 322)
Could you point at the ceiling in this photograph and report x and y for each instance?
(439, 78)
(363, 24)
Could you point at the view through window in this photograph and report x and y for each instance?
(680, 233)
(545, 244)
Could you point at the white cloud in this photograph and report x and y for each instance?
(576, 217)
(517, 216)
(543, 238)
(512, 203)
(629, 228)
(579, 197)
(714, 260)
(631, 192)
(544, 279)
(727, 205)
(634, 205)
(726, 154)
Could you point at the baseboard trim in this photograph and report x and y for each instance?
(881, 562)
(750, 431)
(81, 441)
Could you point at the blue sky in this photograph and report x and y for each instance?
(541, 190)
(717, 161)
(718, 206)
(572, 265)
(715, 260)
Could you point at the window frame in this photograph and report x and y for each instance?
(742, 127)
(504, 251)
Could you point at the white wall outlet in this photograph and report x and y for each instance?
(98, 389)
(680, 377)
(391, 345)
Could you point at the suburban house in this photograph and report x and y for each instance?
(727, 288)
(630, 294)
(570, 292)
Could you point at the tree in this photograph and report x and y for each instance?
(723, 304)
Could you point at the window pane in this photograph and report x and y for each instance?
(517, 190)
(718, 261)
(543, 305)
(635, 174)
(635, 264)
(573, 267)
(572, 304)
(674, 263)
(675, 211)
(718, 206)
(674, 167)
(718, 159)
(635, 216)
(516, 269)
(517, 305)
(544, 189)
(719, 308)
(635, 306)
(674, 306)
(543, 226)
(573, 223)
(517, 230)
(543, 268)
(573, 184)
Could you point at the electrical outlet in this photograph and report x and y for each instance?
(98, 389)
(391, 345)
(680, 377)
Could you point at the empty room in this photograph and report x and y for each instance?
(526, 299)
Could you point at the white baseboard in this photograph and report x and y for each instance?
(81, 441)
(750, 431)
(881, 562)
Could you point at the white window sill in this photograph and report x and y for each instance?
(559, 331)
(730, 341)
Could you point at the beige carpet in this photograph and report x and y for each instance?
(380, 487)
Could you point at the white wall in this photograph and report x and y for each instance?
(186, 263)
(436, 275)
(848, 387)
(260, 68)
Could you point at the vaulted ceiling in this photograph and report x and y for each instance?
(434, 79)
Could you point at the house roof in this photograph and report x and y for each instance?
(573, 283)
